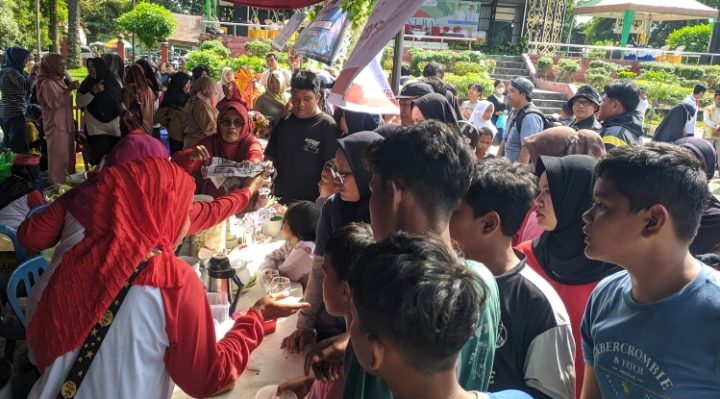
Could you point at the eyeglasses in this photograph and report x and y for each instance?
(232, 122)
(584, 103)
(337, 175)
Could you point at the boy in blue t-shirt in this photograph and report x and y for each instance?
(650, 331)
(414, 305)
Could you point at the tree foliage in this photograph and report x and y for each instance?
(183, 6)
(151, 23)
(694, 38)
(99, 17)
(9, 30)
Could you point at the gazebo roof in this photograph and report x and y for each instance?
(653, 10)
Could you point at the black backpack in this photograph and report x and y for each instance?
(529, 109)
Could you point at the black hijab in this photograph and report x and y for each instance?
(150, 75)
(175, 95)
(105, 105)
(436, 106)
(340, 212)
(707, 239)
(14, 58)
(115, 64)
(671, 127)
(198, 70)
(360, 121)
(561, 252)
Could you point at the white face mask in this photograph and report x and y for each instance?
(499, 91)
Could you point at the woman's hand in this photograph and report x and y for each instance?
(271, 309)
(300, 386)
(257, 182)
(200, 153)
(299, 340)
(98, 87)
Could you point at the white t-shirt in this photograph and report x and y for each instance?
(690, 125)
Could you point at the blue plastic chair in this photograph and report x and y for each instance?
(37, 209)
(20, 253)
(28, 273)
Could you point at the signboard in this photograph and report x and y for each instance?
(323, 39)
(370, 92)
(446, 17)
(289, 29)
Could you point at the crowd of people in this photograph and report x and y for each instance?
(575, 261)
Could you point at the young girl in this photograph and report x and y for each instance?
(294, 259)
(325, 185)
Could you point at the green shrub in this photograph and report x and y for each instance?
(657, 66)
(214, 62)
(609, 67)
(215, 47)
(464, 68)
(255, 64)
(258, 48)
(693, 37)
(688, 72)
(658, 76)
(543, 64)
(626, 75)
(462, 82)
(597, 77)
(448, 58)
(489, 65)
(565, 70)
(596, 54)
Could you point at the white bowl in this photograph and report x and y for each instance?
(272, 228)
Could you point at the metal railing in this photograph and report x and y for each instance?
(613, 52)
(441, 39)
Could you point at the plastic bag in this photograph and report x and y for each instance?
(6, 159)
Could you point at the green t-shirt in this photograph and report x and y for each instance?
(476, 357)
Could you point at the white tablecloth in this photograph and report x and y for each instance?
(268, 363)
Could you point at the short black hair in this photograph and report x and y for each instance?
(509, 189)
(497, 82)
(624, 91)
(566, 109)
(440, 86)
(302, 218)
(477, 87)
(433, 69)
(636, 171)
(431, 159)
(305, 80)
(268, 55)
(345, 245)
(198, 70)
(699, 88)
(485, 131)
(415, 292)
(717, 94)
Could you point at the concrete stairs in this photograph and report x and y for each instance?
(510, 67)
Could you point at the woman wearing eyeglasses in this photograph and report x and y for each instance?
(234, 141)
(350, 204)
(200, 117)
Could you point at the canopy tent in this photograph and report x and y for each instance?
(275, 4)
(645, 10)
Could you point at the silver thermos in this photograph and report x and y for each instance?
(220, 273)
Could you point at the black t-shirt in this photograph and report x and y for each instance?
(535, 348)
(300, 148)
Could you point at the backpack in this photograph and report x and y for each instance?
(529, 109)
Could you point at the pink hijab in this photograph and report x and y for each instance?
(136, 145)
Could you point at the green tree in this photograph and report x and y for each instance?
(9, 30)
(600, 30)
(183, 6)
(694, 38)
(73, 38)
(151, 23)
(99, 17)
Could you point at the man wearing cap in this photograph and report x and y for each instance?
(584, 104)
(525, 120)
(17, 192)
(620, 119)
(409, 92)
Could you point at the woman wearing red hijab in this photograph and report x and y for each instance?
(163, 330)
(234, 141)
(56, 100)
(64, 222)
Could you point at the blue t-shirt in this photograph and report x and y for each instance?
(666, 349)
(531, 124)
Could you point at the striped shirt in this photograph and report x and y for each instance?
(15, 93)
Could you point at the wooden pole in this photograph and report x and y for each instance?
(397, 62)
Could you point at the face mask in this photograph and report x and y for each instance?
(499, 91)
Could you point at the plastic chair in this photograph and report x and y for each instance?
(20, 253)
(28, 274)
(37, 209)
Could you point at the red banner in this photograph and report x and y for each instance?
(275, 4)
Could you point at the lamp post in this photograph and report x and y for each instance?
(37, 23)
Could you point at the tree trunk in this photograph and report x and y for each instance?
(73, 38)
(53, 28)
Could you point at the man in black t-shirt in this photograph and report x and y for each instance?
(302, 142)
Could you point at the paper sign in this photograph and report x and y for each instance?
(369, 93)
(323, 39)
(289, 29)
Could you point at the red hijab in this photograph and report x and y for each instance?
(136, 145)
(238, 150)
(139, 206)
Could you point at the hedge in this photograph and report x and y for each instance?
(462, 83)
(447, 58)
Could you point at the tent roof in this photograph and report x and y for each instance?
(275, 4)
(654, 10)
